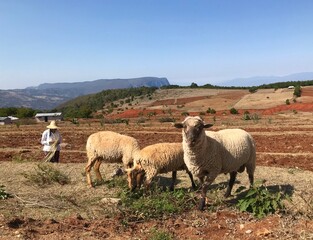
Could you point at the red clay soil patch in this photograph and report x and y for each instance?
(304, 107)
(307, 92)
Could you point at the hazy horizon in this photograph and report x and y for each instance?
(202, 42)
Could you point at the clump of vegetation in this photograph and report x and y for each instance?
(247, 116)
(297, 92)
(3, 193)
(211, 111)
(261, 202)
(46, 174)
(185, 114)
(156, 234)
(20, 158)
(287, 102)
(157, 203)
(141, 120)
(253, 89)
(233, 111)
(166, 119)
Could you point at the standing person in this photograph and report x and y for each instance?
(51, 139)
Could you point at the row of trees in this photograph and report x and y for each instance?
(252, 89)
(18, 112)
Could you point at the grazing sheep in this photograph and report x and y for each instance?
(109, 147)
(208, 153)
(155, 159)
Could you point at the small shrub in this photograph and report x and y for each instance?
(253, 89)
(166, 119)
(46, 175)
(157, 203)
(141, 120)
(3, 193)
(160, 235)
(202, 113)
(287, 102)
(117, 182)
(233, 111)
(260, 201)
(185, 114)
(75, 121)
(297, 92)
(246, 116)
(211, 111)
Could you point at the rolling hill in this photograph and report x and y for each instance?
(50, 95)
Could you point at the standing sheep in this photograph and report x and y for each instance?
(155, 159)
(109, 147)
(208, 153)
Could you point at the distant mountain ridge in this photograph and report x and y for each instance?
(49, 95)
(259, 80)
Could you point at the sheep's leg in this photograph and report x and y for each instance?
(205, 186)
(97, 171)
(230, 183)
(251, 179)
(174, 177)
(191, 179)
(90, 164)
(139, 179)
(149, 178)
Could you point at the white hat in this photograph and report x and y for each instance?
(52, 125)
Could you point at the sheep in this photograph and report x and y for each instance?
(155, 159)
(208, 153)
(109, 147)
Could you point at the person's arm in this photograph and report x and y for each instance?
(44, 138)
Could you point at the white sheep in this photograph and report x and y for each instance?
(109, 147)
(208, 153)
(155, 159)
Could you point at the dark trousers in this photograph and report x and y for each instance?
(55, 158)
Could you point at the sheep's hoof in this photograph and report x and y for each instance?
(202, 204)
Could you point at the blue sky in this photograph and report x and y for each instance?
(186, 41)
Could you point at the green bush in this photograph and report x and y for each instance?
(287, 102)
(233, 111)
(46, 175)
(260, 201)
(297, 92)
(211, 111)
(157, 203)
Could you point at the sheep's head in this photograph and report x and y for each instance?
(192, 129)
(135, 176)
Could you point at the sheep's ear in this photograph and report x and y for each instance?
(178, 125)
(208, 125)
